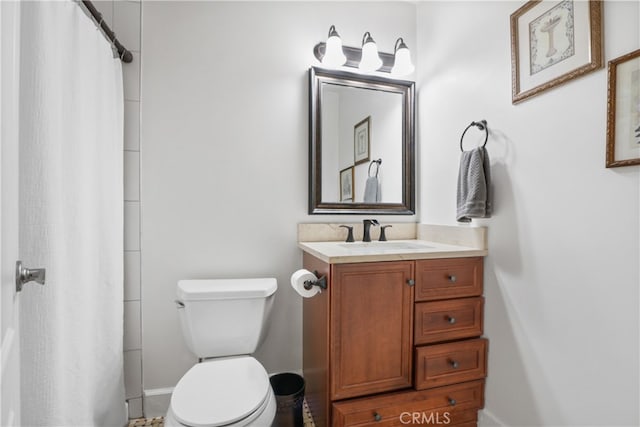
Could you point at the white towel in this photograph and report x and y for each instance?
(474, 186)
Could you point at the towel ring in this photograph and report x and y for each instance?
(378, 162)
(482, 125)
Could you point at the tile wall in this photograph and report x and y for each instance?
(124, 19)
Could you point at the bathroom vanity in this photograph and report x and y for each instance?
(395, 339)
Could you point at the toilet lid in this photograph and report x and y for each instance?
(220, 392)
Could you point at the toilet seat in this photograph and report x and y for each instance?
(220, 392)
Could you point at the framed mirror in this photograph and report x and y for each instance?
(361, 144)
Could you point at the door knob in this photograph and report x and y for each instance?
(26, 275)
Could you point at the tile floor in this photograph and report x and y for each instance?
(159, 421)
(140, 422)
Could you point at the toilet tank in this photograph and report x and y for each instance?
(224, 317)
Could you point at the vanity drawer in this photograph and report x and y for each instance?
(448, 320)
(448, 278)
(442, 364)
(457, 403)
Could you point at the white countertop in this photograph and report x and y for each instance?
(336, 252)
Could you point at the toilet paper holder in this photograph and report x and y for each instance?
(321, 282)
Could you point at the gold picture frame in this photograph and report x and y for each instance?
(623, 111)
(553, 42)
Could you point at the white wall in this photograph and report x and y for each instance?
(224, 137)
(562, 276)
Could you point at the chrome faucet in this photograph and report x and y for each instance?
(366, 237)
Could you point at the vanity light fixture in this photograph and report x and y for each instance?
(334, 56)
(370, 60)
(402, 64)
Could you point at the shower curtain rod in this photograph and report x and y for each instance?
(125, 55)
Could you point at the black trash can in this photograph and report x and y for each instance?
(289, 391)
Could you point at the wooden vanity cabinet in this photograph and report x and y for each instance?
(394, 337)
(371, 328)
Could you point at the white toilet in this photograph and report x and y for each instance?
(223, 322)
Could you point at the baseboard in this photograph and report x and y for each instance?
(156, 401)
(487, 419)
(135, 408)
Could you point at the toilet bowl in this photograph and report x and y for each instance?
(232, 391)
(223, 321)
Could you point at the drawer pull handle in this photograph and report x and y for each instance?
(377, 417)
(452, 401)
(451, 319)
(453, 364)
(411, 282)
(452, 278)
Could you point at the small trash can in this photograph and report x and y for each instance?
(289, 391)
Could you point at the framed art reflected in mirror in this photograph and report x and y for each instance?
(346, 184)
(361, 141)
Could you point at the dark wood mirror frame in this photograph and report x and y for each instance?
(318, 76)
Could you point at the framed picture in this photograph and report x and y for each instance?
(623, 111)
(553, 42)
(361, 141)
(346, 184)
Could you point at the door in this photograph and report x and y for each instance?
(371, 328)
(9, 298)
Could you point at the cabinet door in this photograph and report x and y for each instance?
(371, 328)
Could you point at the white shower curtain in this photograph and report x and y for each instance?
(71, 213)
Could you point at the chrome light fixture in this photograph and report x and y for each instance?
(402, 64)
(333, 55)
(370, 59)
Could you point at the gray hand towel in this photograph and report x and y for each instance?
(371, 190)
(474, 186)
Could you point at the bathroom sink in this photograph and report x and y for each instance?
(390, 246)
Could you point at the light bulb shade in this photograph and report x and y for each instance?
(370, 59)
(402, 64)
(333, 54)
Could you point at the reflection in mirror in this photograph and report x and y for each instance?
(361, 144)
(360, 126)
